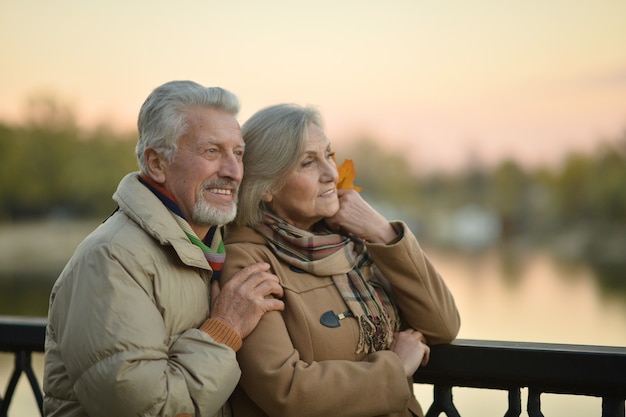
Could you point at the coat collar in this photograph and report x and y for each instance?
(145, 209)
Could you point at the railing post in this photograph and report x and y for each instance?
(515, 403)
(613, 407)
(23, 364)
(534, 403)
(442, 402)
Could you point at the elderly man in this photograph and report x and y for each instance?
(137, 322)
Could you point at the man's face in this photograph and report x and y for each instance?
(207, 168)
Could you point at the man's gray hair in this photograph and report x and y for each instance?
(162, 118)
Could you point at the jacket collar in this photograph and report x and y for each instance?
(145, 209)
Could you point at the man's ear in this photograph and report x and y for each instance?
(156, 165)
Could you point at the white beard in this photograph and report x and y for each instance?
(207, 215)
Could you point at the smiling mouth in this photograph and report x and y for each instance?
(328, 192)
(220, 191)
(221, 188)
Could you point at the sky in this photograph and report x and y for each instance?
(443, 82)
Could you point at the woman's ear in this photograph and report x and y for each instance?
(156, 165)
(268, 197)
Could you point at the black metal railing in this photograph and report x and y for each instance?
(597, 371)
(22, 336)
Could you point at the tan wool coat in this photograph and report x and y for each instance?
(292, 365)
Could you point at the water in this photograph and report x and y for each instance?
(532, 297)
(502, 295)
(529, 297)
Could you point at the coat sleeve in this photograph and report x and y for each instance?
(276, 378)
(118, 354)
(423, 298)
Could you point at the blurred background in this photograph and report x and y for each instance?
(496, 130)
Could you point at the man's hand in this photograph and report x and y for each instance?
(244, 299)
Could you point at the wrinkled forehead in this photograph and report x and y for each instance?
(214, 126)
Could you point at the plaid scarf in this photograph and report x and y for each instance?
(326, 253)
(212, 246)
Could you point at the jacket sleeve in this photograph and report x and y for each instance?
(276, 378)
(118, 354)
(423, 298)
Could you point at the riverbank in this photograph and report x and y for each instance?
(38, 247)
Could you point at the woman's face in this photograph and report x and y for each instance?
(310, 191)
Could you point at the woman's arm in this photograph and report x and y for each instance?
(423, 297)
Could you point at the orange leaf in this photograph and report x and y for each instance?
(346, 176)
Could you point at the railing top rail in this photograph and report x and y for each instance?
(539, 346)
(556, 368)
(22, 333)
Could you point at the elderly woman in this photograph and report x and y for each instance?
(362, 300)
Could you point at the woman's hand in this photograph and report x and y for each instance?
(410, 346)
(356, 216)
